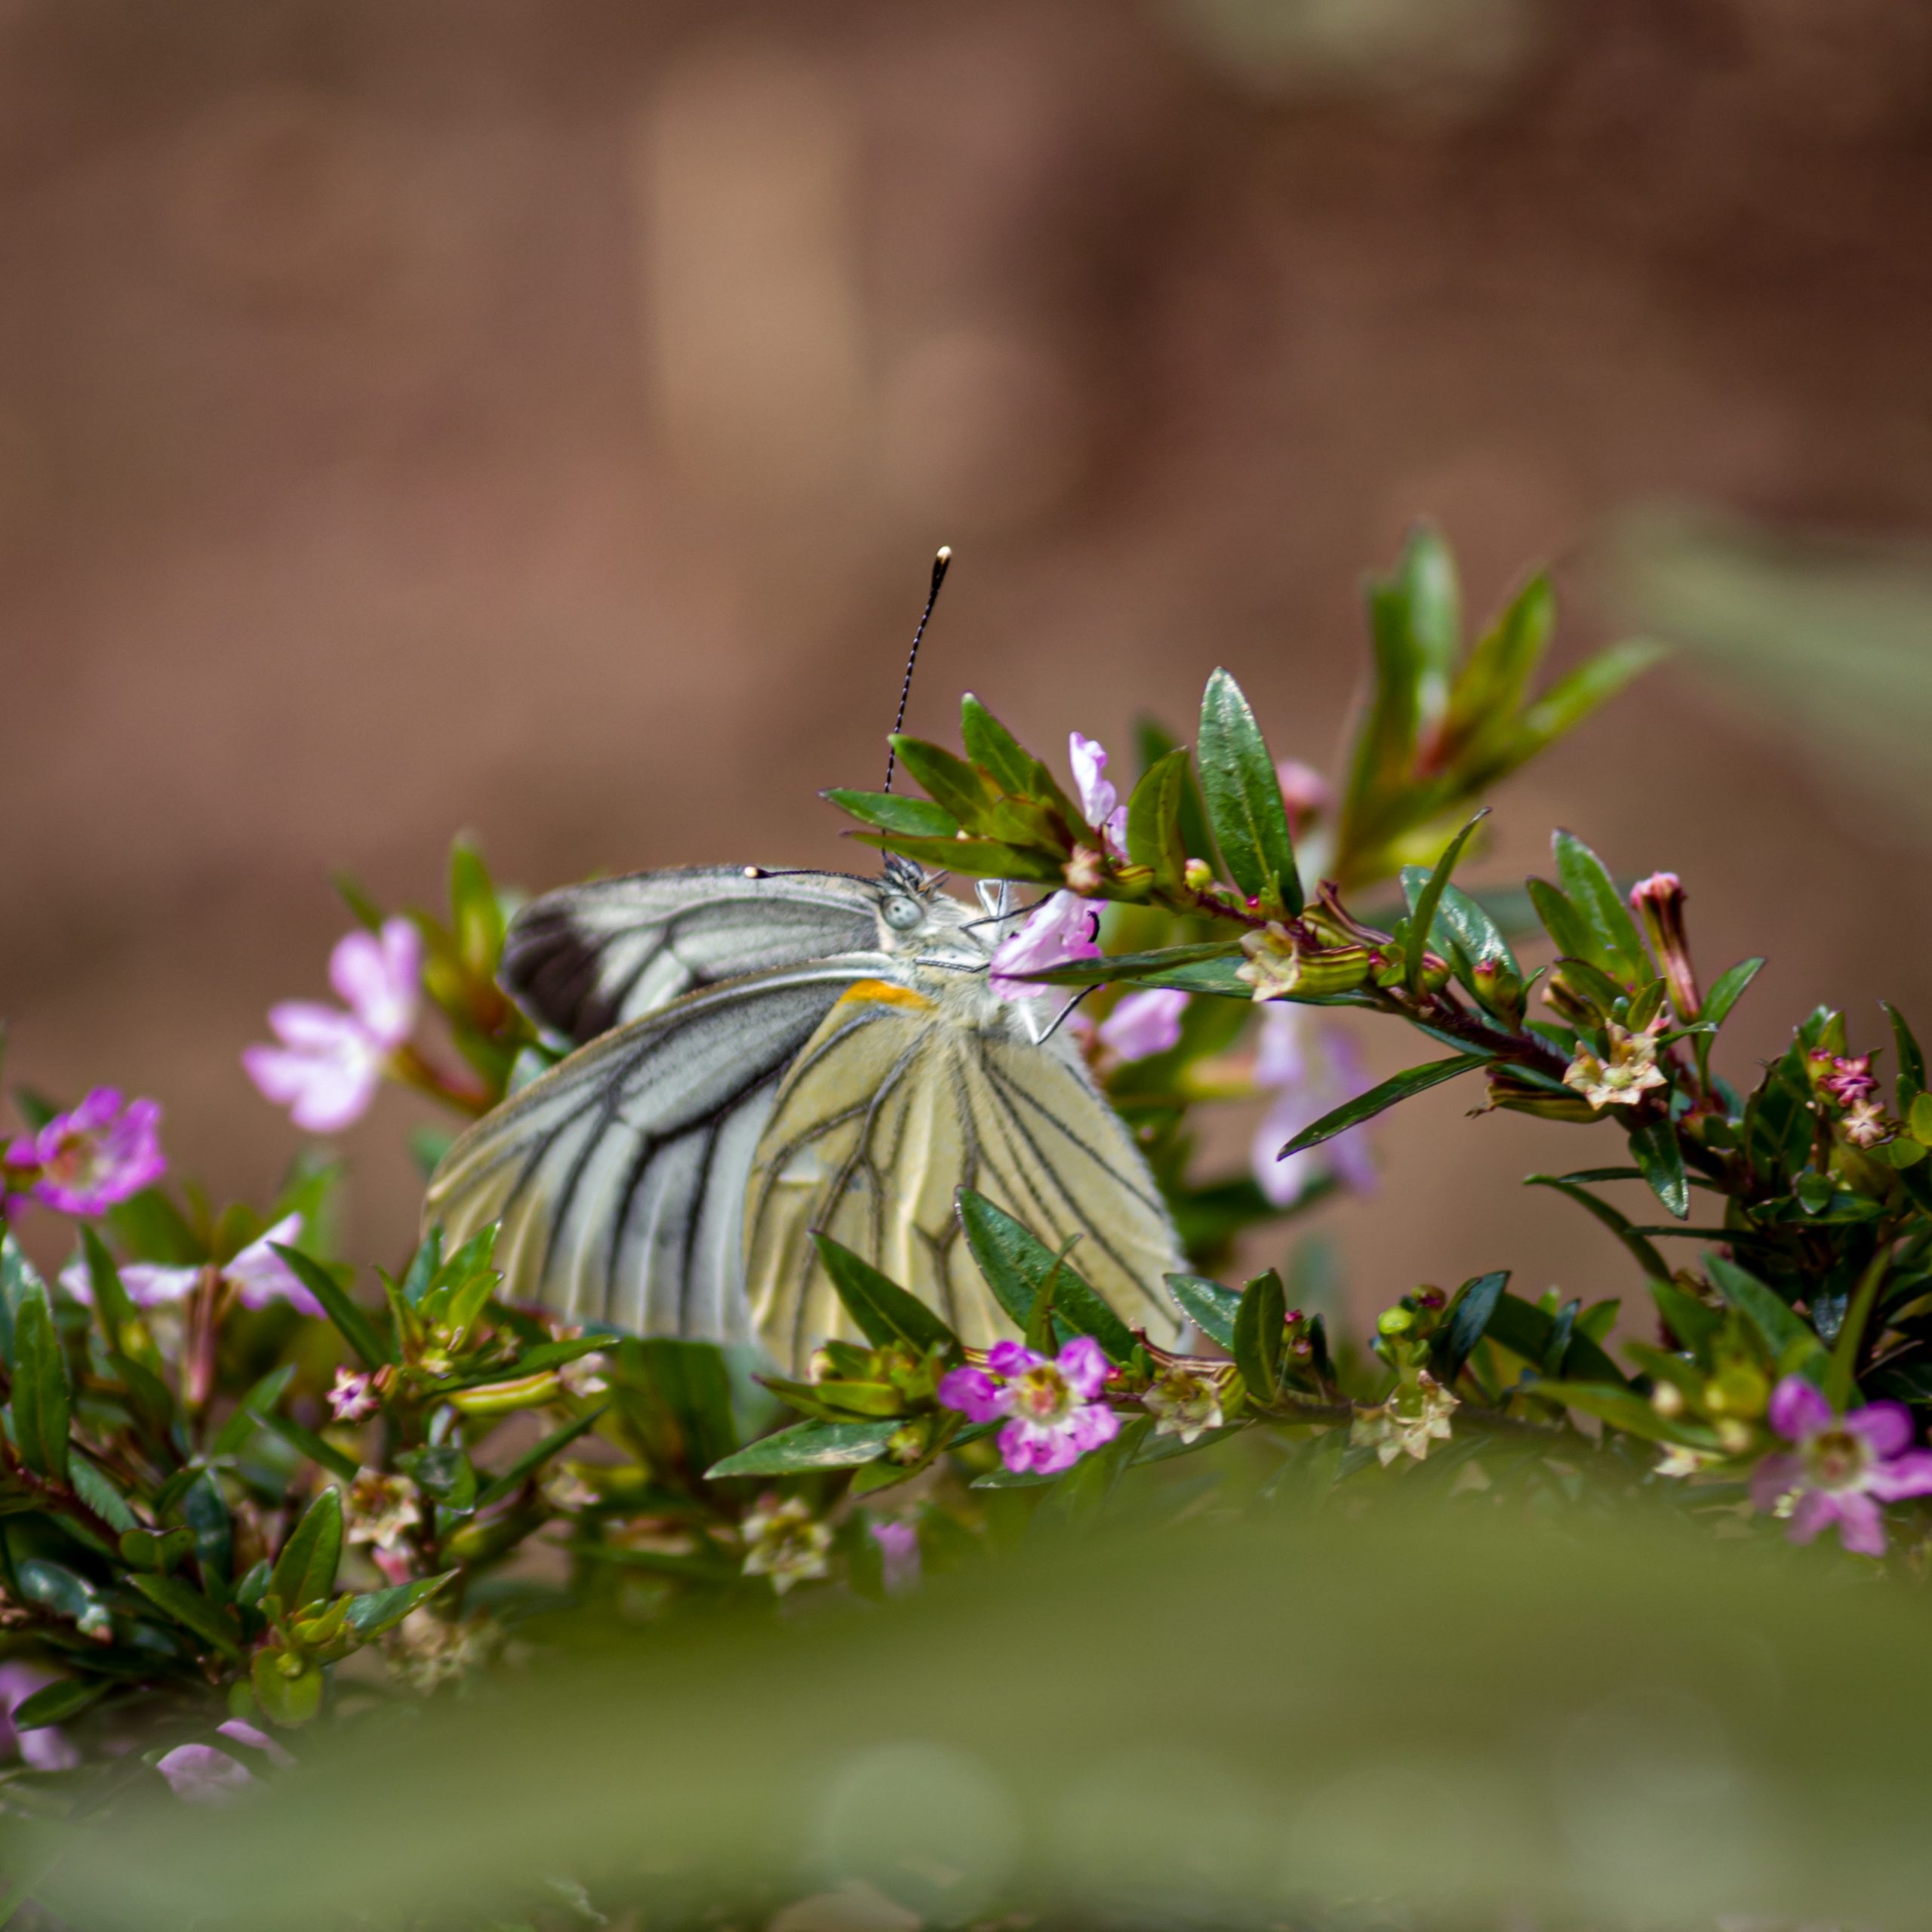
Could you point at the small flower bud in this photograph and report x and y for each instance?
(1430, 1297)
(1198, 874)
(1658, 902)
(1500, 990)
(1668, 1400)
(1395, 1321)
(1734, 1436)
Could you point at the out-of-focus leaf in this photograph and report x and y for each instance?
(41, 1398)
(1644, 1252)
(305, 1571)
(810, 1445)
(191, 1610)
(354, 1327)
(1793, 1346)
(370, 1614)
(1911, 1060)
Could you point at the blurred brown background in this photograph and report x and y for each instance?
(537, 416)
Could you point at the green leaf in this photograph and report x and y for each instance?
(1645, 1254)
(1840, 1377)
(1655, 1148)
(65, 1593)
(305, 1571)
(893, 811)
(1729, 989)
(1244, 798)
(1211, 1307)
(1695, 1326)
(977, 858)
(1490, 691)
(1468, 1319)
(533, 1458)
(19, 1282)
(1423, 920)
(112, 1309)
(1153, 821)
(1592, 890)
(1256, 1349)
(1013, 768)
(1571, 699)
(476, 916)
(375, 1611)
(354, 1327)
(1153, 742)
(153, 1549)
(149, 1227)
(1569, 930)
(41, 1398)
(100, 1495)
(1003, 1250)
(1459, 921)
(56, 1703)
(1529, 1331)
(234, 1433)
(288, 1688)
(885, 1313)
(810, 1445)
(1365, 1107)
(307, 1443)
(191, 1610)
(949, 781)
(1911, 1060)
(1793, 1346)
(1623, 1408)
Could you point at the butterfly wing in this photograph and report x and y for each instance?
(901, 1097)
(619, 1177)
(589, 958)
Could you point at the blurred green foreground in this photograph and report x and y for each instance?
(1442, 1717)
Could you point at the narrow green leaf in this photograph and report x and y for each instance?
(1569, 930)
(1423, 920)
(1153, 821)
(1623, 1408)
(1660, 1157)
(1257, 1346)
(1840, 1376)
(1153, 742)
(1244, 798)
(1572, 699)
(809, 1445)
(1467, 1321)
(533, 1458)
(1646, 1256)
(1021, 1264)
(1365, 1107)
(307, 1443)
(112, 1309)
(354, 1327)
(305, 1571)
(949, 781)
(1461, 920)
(92, 1486)
(1729, 989)
(1695, 1325)
(884, 1311)
(1529, 1331)
(476, 915)
(1211, 1307)
(59, 1702)
(893, 811)
(1793, 1346)
(234, 1432)
(1911, 1060)
(1013, 768)
(1489, 691)
(375, 1611)
(993, 1235)
(1593, 892)
(977, 858)
(41, 1398)
(191, 1610)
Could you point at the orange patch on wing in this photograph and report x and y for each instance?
(883, 992)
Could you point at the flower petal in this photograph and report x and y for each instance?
(974, 1393)
(201, 1775)
(1910, 1474)
(1089, 1426)
(376, 974)
(1084, 1363)
(1797, 1409)
(1011, 1358)
(1886, 1426)
(1861, 1525)
(1088, 758)
(1814, 1509)
(1059, 929)
(1144, 1023)
(1773, 1479)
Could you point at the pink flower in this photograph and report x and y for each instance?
(1098, 798)
(83, 1162)
(327, 1069)
(1311, 1070)
(899, 1550)
(1143, 1024)
(42, 1748)
(200, 1775)
(256, 1740)
(257, 1274)
(1058, 930)
(1054, 1419)
(351, 1396)
(1842, 1469)
(1850, 1080)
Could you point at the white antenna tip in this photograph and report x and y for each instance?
(945, 554)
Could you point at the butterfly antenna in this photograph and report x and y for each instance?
(939, 563)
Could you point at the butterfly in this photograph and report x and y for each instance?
(760, 1055)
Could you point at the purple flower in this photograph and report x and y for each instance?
(899, 1550)
(1098, 798)
(1842, 1467)
(1053, 1417)
(1311, 1070)
(200, 1775)
(327, 1067)
(42, 1748)
(351, 1396)
(258, 1275)
(256, 1740)
(1143, 1024)
(1061, 928)
(83, 1162)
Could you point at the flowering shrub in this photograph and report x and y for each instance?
(249, 1489)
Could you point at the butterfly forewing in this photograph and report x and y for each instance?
(904, 1095)
(592, 957)
(620, 1176)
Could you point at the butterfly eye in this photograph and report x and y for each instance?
(903, 915)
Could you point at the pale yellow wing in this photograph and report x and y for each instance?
(900, 1099)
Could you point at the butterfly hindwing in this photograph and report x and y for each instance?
(589, 958)
(902, 1096)
(619, 1177)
